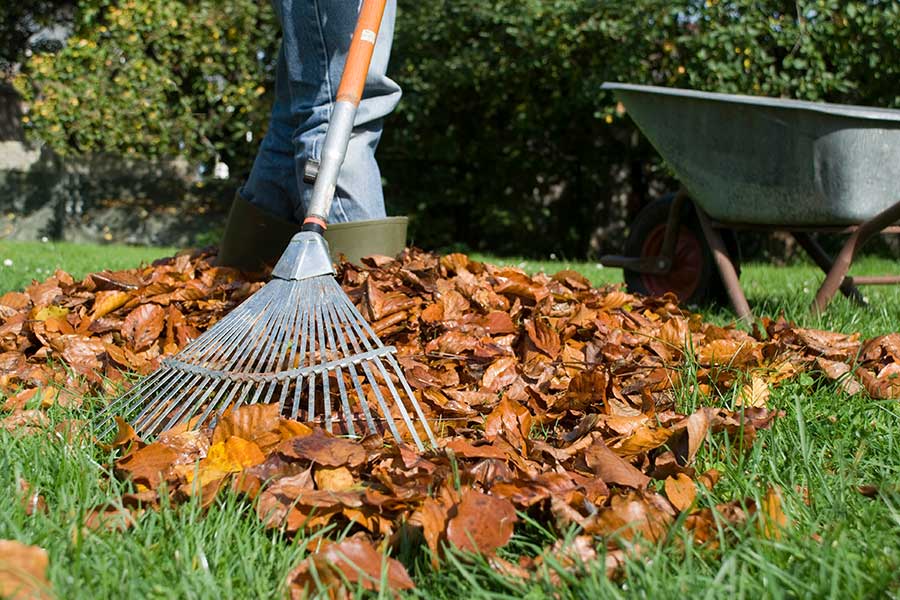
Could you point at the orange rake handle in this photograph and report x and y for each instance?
(362, 46)
(340, 127)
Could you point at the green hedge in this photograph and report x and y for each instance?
(503, 140)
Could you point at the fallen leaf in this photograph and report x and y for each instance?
(353, 561)
(23, 571)
(481, 523)
(681, 491)
(324, 449)
(143, 325)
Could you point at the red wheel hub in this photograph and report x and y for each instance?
(687, 264)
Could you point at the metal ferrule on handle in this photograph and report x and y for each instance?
(340, 126)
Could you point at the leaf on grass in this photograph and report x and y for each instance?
(481, 523)
(337, 568)
(773, 520)
(681, 491)
(147, 466)
(754, 393)
(23, 571)
(32, 501)
(125, 435)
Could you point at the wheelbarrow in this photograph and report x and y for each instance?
(767, 164)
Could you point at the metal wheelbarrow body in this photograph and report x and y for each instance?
(765, 163)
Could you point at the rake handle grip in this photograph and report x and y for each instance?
(340, 126)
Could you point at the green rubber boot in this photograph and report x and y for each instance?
(253, 238)
(357, 239)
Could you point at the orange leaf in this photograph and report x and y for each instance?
(482, 523)
(681, 491)
(23, 571)
(143, 325)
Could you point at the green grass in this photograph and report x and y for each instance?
(22, 262)
(838, 543)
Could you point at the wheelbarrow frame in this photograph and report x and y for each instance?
(836, 269)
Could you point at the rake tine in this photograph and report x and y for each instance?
(266, 361)
(415, 404)
(205, 386)
(298, 343)
(396, 396)
(385, 411)
(280, 356)
(326, 392)
(227, 330)
(153, 408)
(345, 400)
(363, 403)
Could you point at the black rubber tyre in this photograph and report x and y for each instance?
(694, 278)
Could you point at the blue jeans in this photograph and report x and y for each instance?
(316, 38)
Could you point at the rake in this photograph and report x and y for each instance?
(299, 340)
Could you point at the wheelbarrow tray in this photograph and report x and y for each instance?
(764, 161)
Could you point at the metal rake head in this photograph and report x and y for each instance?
(297, 341)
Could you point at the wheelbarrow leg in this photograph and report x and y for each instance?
(844, 259)
(726, 267)
(824, 262)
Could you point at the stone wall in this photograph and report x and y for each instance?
(100, 198)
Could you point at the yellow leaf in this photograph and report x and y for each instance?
(231, 456)
(754, 394)
(49, 312)
(336, 480)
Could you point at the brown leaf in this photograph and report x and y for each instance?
(544, 337)
(500, 374)
(143, 325)
(324, 449)
(32, 501)
(612, 468)
(754, 393)
(109, 518)
(774, 521)
(432, 516)
(481, 523)
(23, 571)
(587, 390)
(511, 420)
(338, 479)
(354, 561)
(149, 465)
(257, 423)
(125, 435)
(681, 491)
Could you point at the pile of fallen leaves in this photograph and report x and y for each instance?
(555, 399)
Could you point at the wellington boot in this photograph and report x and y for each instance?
(253, 238)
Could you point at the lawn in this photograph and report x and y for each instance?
(837, 542)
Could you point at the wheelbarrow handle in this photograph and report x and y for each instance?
(340, 126)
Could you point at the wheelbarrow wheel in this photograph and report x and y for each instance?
(693, 278)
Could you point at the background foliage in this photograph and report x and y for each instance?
(503, 140)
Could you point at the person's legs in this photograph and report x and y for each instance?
(317, 36)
